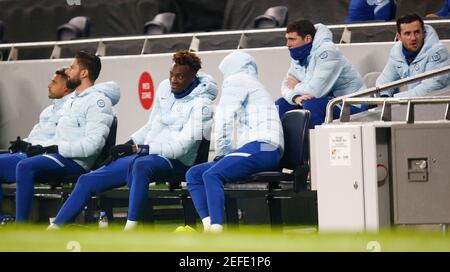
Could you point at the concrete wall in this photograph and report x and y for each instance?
(23, 84)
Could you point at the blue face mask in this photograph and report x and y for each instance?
(409, 56)
(301, 53)
(188, 90)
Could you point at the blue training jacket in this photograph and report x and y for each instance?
(445, 11)
(367, 10)
(176, 126)
(326, 73)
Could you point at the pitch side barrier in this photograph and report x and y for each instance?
(373, 174)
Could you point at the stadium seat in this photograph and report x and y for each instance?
(273, 17)
(77, 27)
(370, 79)
(162, 23)
(111, 199)
(296, 156)
(57, 181)
(110, 142)
(202, 156)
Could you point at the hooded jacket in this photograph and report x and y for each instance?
(176, 127)
(246, 100)
(433, 55)
(84, 124)
(326, 73)
(445, 10)
(366, 10)
(48, 120)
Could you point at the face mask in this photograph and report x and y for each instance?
(409, 56)
(301, 53)
(188, 90)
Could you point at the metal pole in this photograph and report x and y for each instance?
(392, 85)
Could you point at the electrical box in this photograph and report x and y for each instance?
(370, 176)
(421, 173)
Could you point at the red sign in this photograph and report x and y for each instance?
(146, 90)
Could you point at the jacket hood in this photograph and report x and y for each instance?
(431, 39)
(59, 102)
(207, 87)
(110, 89)
(238, 62)
(323, 34)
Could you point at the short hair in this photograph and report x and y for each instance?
(185, 57)
(409, 18)
(90, 62)
(62, 72)
(302, 27)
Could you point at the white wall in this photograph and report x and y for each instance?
(23, 84)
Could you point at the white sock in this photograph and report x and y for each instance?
(53, 227)
(216, 228)
(130, 225)
(206, 223)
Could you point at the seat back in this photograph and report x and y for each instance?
(77, 27)
(162, 23)
(57, 180)
(296, 139)
(202, 156)
(110, 142)
(203, 151)
(370, 79)
(273, 17)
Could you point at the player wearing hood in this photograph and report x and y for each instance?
(259, 145)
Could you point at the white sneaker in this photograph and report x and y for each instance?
(216, 228)
(206, 224)
(53, 227)
(130, 225)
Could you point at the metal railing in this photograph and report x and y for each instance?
(356, 98)
(102, 43)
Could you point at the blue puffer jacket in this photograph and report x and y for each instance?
(176, 126)
(244, 98)
(433, 55)
(84, 124)
(48, 120)
(326, 73)
(445, 11)
(366, 10)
